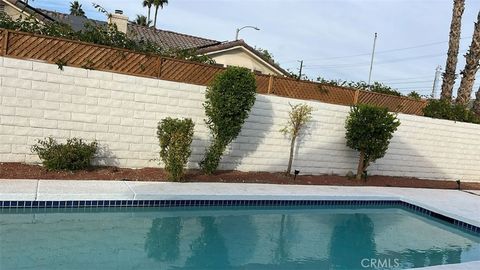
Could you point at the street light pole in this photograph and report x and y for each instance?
(240, 29)
(371, 61)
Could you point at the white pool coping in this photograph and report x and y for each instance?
(456, 204)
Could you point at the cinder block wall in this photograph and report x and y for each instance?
(121, 112)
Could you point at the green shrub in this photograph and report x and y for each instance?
(443, 109)
(369, 130)
(175, 136)
(75, 154)
(228, 102)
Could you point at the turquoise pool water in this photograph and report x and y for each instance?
(229, 238)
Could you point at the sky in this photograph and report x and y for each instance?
(334, 38)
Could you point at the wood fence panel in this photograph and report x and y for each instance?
(312, 91)
(81, 54)
(393, 103)
(188, 72)
(262, 83)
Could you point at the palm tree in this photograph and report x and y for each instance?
(76, 9)
(471, 66)
(142, 21)
(158, 4)
(452, 55)
(148, 3)
(476, 103)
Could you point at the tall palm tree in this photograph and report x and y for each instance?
(76, 9)
(471, 66)
(453, 44)
(476, 103)
(148, 4)
(142, 20)
(158, 4)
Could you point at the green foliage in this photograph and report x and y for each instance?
(191, 55)
(379, 88)
(102, 34)
(376, 87)
(175, 136)
(298, 117)
(142, 21)
(229, 99)
(76, 9)
(75, 154)
(266, 54)
(443, 109)
(369, 130)
(414, 95)
(61, 63)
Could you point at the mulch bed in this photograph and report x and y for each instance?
(27, 171)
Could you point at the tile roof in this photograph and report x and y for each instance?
(168, 39)
(242, 43)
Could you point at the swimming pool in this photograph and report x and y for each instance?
(235, 237)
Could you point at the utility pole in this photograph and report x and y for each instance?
(438, 70)
(300, 70)
(371, 61)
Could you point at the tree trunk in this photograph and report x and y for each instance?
(476, 103)
(148, 16)
(155, 18)
(290, 160)
(471, 67)
(452, 55)
(360, 165)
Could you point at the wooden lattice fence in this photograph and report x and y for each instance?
(92, 56)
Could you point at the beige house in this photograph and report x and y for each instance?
(230, 53)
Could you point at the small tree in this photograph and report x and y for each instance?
(175, 136)
(299, 116)
(369, 130)
(229, 100)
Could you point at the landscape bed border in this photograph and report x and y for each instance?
(88, 204)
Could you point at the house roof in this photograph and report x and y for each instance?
(30, 10)
(241, 43)
(169, 39)
(76, 22)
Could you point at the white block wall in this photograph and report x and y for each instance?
(121, 112)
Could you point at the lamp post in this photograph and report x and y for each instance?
(240, 29)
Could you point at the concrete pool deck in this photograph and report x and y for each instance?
(456, 204)
(463, 206)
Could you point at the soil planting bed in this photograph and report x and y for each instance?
(27, 171)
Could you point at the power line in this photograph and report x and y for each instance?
(384, 51)
(405, 82)
(366, 64)
(408, 78)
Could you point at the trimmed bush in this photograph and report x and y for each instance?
(229, 100)
(369, 131)
(444, 109)
(175, 136)
(73, 155)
